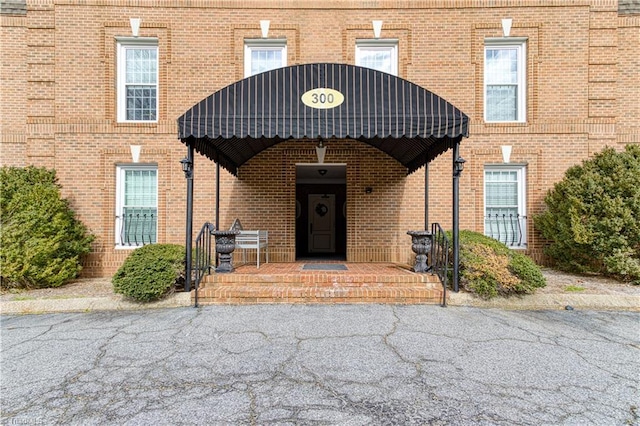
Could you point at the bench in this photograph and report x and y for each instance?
(251, 240)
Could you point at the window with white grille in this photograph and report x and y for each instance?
(136, 205)
(264, 55)
(137, 80)
(505, 204)
(504, 80)
(381, 55)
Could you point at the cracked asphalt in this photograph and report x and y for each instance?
(318, 364)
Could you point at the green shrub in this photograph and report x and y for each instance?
(489, 268)
(150, 272)
(41, 241)
(593, 216)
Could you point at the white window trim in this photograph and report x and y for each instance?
(263, 44)
(509, 42)
(521, 170)
(121, 69)
(379, 44)
(120, 177)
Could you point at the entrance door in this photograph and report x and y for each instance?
(322, 223)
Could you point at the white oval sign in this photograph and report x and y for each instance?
(322, 98)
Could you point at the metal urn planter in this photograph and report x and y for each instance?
(421, 245)
(225, 245)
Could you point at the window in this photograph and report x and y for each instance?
(138, 80)
(505, 204)
(381, 55)
(504, 80)
(136, 205)
(264, 55)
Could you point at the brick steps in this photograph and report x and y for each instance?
(392, 286)
(319, 280)
(276, 294)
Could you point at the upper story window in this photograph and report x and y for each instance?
(505, 80)
(136, 205)
(263, 55)
(381, 55)
(505, 204)
(138, 79)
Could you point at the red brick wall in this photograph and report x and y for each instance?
(59, 86)
(13, 90)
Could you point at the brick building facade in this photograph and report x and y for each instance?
(561, 86)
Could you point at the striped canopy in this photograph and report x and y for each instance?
(394, 115)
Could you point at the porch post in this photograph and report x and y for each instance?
(217, 196)
(458, 166)
(187, 167)
(426, 197)
(217, 204)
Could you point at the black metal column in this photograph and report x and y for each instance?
(217, 197)
(456, 216)
(188, 173)
(217, 262)
(426, 197)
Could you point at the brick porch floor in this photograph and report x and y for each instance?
(289, 283)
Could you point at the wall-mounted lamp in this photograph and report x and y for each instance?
(135, 153)
(187, 167)
(135, 26)
(377, 28)
(321, 150)
(264, 27)
(368, 190)
(506, 153)
(459, 166)
(506, 26)
(322, 172)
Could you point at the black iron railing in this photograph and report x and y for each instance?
(136, 229)
(509, 229)
(202, 256)
(440, 257)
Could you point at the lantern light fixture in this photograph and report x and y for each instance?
(187, 167)
(459, 166)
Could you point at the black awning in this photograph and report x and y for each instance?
(394, 115)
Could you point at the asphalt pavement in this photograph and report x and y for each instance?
(322, 364)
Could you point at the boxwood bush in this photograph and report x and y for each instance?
(150, 272)
(41, 241)
(489, 268)
(592, 219)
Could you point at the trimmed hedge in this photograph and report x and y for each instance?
(593, 216)
(41, 241)
(150, 272)
(489, 268)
